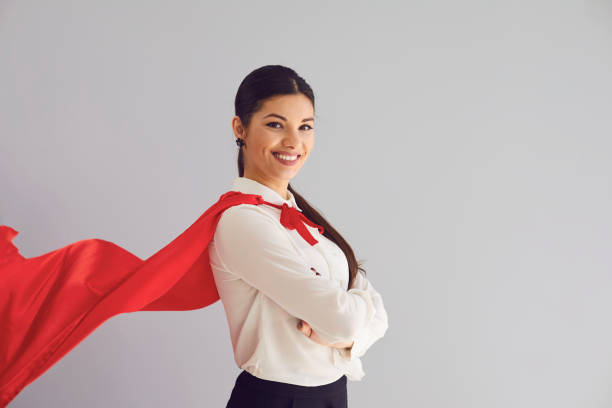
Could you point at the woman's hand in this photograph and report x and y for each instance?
(308, 332)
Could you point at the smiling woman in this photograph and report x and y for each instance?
(300, 314)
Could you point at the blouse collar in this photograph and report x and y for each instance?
(249, 186)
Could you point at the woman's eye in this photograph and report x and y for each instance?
(273, 125)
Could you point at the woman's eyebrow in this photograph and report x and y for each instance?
(284, 118)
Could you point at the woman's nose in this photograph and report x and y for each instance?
(292, 137)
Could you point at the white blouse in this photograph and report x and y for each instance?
(264, 278)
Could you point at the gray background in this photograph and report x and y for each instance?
(462, 148)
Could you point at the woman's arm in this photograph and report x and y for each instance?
(366, 337)
(377, 326)
(310, 333)
(255, 247)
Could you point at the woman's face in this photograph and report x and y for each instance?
(284, 123)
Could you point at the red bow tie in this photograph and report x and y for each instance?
(292, 218)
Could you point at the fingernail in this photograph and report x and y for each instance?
(300, 324)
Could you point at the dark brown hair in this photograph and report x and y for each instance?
(255, 88)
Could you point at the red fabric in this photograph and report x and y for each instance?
(50, 303)
(292, 218)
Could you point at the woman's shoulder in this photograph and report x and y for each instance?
(249, 218)
(250, 228)
(247, 212)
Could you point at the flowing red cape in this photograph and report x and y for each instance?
(50, 303)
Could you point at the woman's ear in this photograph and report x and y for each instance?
(238, 128)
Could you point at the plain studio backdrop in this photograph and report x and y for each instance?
(462, 148)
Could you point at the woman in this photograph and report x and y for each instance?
(296, 331)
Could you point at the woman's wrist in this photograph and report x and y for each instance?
(347, 349)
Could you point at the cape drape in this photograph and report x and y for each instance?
(50, 303)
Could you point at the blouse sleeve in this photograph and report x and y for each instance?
(377, 327)
(256, 248)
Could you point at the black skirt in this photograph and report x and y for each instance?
(254, 392)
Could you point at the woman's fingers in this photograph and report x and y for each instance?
(308, 332)
(304, 328)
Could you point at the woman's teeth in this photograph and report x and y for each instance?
(284, 157)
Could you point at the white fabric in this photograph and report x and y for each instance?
(263, 274)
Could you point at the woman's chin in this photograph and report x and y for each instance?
(283, 175)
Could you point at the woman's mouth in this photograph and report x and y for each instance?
(288, 160)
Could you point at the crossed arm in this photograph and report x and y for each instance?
(365, 338)
(258, 251)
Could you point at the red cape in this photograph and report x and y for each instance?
(50, 303)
